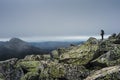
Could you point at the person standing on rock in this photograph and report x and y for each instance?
(102, 34)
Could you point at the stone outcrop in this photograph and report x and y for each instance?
(108, 73)
(92, 60)
(75, 55)
(9, 71)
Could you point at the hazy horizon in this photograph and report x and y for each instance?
(57, 38)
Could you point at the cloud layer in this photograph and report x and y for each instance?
(30, 18)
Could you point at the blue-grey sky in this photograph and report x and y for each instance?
(31, 18)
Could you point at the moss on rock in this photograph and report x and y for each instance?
(29, 66)
(80, 55)
(107, 73)
(2, 77)
(110, 58)
(30, 76)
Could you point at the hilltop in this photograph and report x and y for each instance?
(16, 47)
(92, 60)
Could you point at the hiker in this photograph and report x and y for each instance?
(102, 34)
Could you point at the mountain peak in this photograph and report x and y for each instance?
(16, 40)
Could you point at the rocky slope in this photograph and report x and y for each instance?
(92, 60)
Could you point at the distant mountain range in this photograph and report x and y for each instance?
(18, 48)
(52, 45)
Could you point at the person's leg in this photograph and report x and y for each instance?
(102, 37)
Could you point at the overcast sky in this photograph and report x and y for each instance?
(42, 18)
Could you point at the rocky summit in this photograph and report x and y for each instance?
(92, 60)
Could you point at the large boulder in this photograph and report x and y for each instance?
(9, 70)
(76, 72)
(30, 76)
(29, 66)
(55, 54)
(76, 54)
(108, 73)
(118, 36)
(37, 57)
(109, 58)
(33, 57)
(115, 38)
(64, 72)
